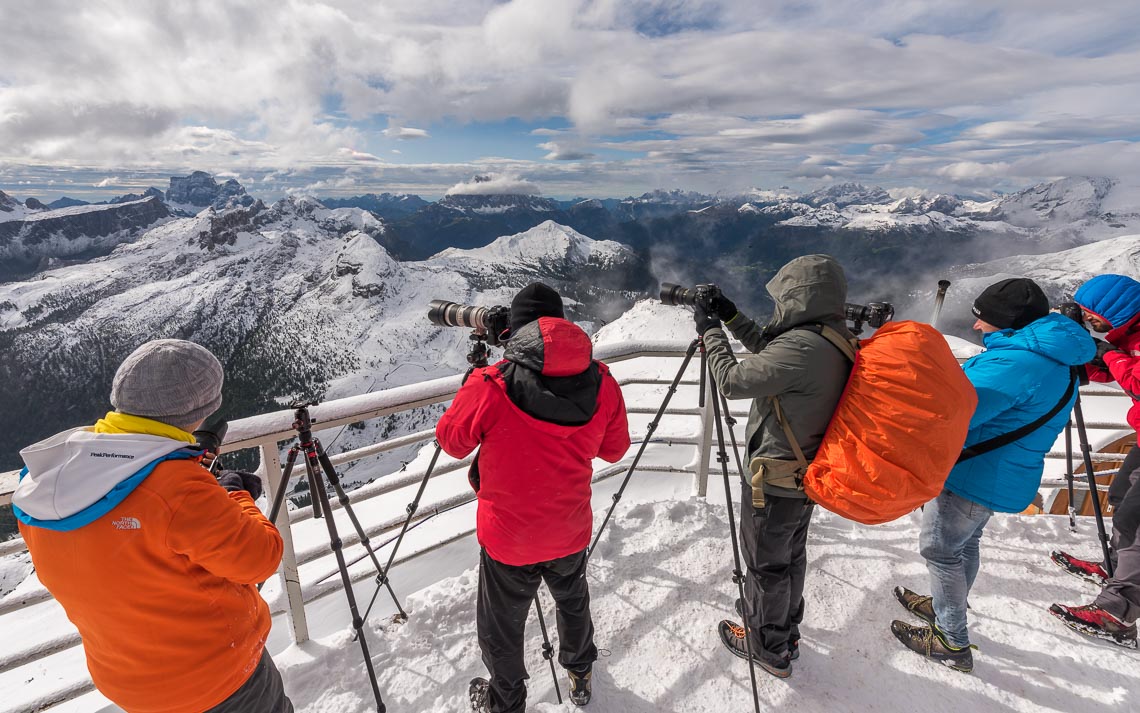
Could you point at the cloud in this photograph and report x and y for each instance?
(703, 94)
(405, 133)
(491, 184)
(558, 152)
(108, 181)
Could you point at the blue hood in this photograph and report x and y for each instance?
(1054, 336)
(1116, 298)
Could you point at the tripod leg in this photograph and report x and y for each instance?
(342, 497)
(338, 550)
(737, 574)
(648, 435)
(547, 649)
(1069, 474)
(382, 578)
(1086, 451)
(282, 488)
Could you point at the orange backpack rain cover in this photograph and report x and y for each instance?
(899, 427)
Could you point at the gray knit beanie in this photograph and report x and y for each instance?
(169, 380)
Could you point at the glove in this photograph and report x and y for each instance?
(235, 480)
(705, 321)
(1102, 348)
(725, 308)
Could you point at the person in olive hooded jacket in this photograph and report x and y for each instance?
(807, 374)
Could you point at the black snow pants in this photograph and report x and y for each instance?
(506, 596)
(774, 543)
(262, 692)
(1121, 594)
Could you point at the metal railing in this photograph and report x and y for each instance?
(266, 432)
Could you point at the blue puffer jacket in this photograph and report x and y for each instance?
(1019, 378)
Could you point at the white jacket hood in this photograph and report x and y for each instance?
(74, 470)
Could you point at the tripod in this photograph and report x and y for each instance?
(316, 461)
(477, 358)
(1086, 452)
(718, 403)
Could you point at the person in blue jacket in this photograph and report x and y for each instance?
(1024, 374)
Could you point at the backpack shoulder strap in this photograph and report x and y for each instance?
(783, 421)
(1004, 439)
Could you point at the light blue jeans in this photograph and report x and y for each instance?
(951, 531)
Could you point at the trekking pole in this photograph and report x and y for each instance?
(1086, 451)
(1069, 474)
(547, 649)
(943, 285)
(648, 435)
(722, 458)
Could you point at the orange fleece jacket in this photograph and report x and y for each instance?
(162, 590)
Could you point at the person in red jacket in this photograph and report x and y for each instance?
(539, 418)
(152, 561)
(1111, 306)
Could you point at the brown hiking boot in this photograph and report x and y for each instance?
(928, 641)
(921, 605)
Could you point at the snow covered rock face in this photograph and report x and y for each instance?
(34, 237)
(294, 298)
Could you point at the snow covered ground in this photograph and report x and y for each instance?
(661, 579)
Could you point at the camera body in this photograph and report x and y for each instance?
(491, 323)
(876, 314)
(1073, 311)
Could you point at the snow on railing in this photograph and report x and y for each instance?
(265, 432)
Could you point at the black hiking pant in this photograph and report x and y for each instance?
(262, 692)
(774, 543)
(1121, 594)
(506, 596)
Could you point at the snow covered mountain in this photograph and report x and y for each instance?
(294, 298)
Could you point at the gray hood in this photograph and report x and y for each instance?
(811, 288)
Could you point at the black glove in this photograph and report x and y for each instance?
(1102, 348)
(235, 480)
(725, 308)
(705, 318)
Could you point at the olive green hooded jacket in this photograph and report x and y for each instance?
(807, 372)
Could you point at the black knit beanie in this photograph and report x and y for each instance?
(1011, 304)
(534, 301)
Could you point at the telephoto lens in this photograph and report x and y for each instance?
(452, 314)
(675, 295)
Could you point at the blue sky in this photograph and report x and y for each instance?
(566, 97)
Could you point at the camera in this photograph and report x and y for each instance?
(210, 437)
(491, 322)
(875, 314)
(674, 295)
(1073, 311)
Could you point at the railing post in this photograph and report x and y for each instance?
(271, 471)
(704, 447)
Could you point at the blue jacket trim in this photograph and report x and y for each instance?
(108, 502)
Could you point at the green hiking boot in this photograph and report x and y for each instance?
(930, 642)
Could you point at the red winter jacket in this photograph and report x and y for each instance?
(1123, 366)
(540, 416)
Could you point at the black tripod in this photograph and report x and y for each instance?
(1086, 452)
(477, 358)
(316, 461)
(718, 403)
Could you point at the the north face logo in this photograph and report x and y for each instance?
(127, 523)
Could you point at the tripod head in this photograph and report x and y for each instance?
(477, 353)
(302, 422)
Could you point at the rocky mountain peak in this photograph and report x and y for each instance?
(200, 190)
(7, 203)
(845, 194)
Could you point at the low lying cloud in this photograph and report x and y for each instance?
(490, 184)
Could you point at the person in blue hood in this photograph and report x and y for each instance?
(1025, 373)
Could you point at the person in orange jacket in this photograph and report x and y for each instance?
(154, 560)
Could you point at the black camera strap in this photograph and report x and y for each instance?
(1004, 439)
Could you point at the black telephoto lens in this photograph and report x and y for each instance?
(674, 295)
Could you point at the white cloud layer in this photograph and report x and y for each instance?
(704, 94)
(492, 184)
